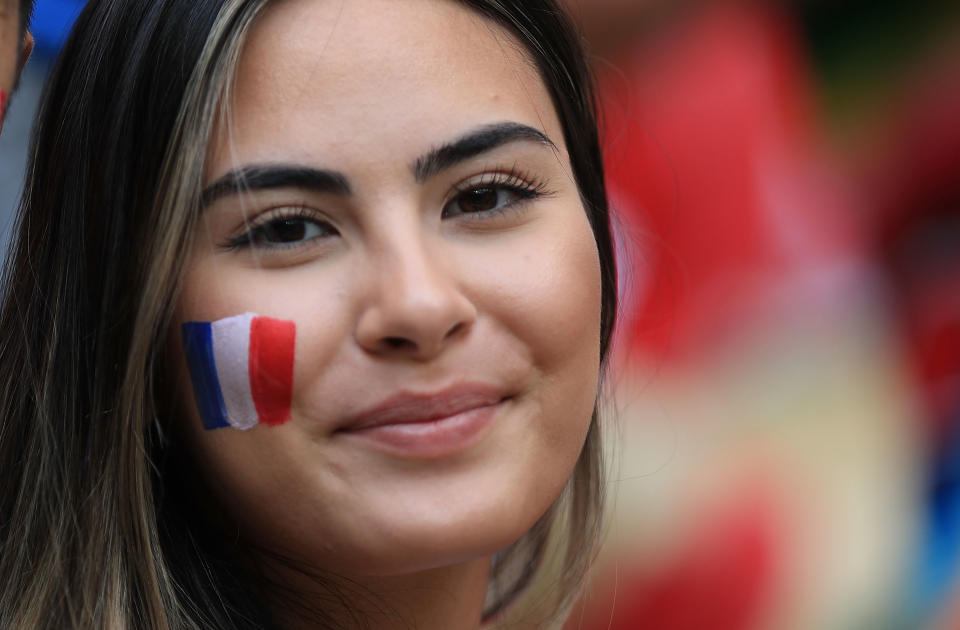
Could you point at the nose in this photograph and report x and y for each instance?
(416, 307)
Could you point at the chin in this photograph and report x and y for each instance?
(417, 533)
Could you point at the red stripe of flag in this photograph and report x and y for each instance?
(271, 368)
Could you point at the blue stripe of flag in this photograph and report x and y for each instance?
(198, 347)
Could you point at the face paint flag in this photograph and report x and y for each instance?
(242, 370)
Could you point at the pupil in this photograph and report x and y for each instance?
(479, 199)
(286, 231)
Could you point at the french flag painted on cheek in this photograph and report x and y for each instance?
(242, 370)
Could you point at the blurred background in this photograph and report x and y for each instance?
(786, 178)
(785, 398)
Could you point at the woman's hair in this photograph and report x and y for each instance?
(26, 12)
(99, 522)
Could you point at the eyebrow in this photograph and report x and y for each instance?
(436, 160)
(267, 176)
(476, 142)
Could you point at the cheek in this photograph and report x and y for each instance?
(561, 323)
(548, 296)
(315, 297)
(545, 294)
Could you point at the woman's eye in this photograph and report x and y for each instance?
(482, 199)
(285, 231)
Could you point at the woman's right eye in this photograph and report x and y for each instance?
(283, 231)
(288, 232)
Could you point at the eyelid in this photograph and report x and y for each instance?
(512, 177)
(240, 237)
(522, 185)
(284, 210)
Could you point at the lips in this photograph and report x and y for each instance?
(427, 425)
(410, 408)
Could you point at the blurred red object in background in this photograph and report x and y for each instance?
(733, 210)
(721, 582)
(913, 186)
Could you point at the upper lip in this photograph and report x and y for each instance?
(408, 407)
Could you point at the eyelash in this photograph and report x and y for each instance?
(515, 182)
(258, 227)
(523, 185)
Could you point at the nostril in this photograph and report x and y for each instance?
(396, 343)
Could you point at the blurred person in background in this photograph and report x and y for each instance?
(15, 46)
(48, 22)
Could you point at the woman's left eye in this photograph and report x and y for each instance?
(490, 198)
(480, 200)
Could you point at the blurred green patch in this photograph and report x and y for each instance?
(865, 52)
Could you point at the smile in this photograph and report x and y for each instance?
(426, 426)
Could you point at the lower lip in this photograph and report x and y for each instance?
(432, 439)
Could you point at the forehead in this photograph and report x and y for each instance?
(361, 76)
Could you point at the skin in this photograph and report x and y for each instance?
(396, 288)
(14, 50)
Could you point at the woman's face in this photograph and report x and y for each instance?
(411, 209)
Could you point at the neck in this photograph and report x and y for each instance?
(435, 599)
